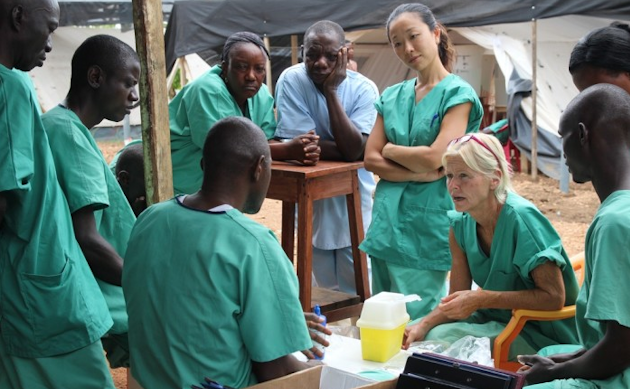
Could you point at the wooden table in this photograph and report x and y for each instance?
(296, 184)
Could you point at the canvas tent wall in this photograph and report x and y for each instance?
(202, 25)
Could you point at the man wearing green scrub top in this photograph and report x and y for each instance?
(52, 313)
(595, 130)
(210, 292)
(105, 72)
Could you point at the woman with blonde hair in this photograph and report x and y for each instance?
(505, 245)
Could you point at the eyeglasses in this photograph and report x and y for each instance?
(468, 137)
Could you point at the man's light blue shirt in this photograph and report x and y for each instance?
(302, 107)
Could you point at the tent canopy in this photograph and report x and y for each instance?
(101, 12)
(199, 25)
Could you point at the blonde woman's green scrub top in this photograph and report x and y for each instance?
(87, 181)
(207, 293)
(194, 110)
(51, 304)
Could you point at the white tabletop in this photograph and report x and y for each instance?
(345, 354)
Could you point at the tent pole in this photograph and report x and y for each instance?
(171, 77)
(148, 26)
(269, 79)
(534, 99)
(294, 49)
(185, 71)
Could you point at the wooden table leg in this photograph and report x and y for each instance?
(288, 229)
(355, 220)
(305, 245)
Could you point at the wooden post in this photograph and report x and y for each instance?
(294, 49)
(269, 78)
(534, 99)
(148, 24)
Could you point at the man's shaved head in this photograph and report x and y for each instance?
(236, 155)
(602, 108)
(130, 176)
(232, 144)
(595, 129)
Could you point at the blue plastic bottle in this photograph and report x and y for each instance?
(318, 345)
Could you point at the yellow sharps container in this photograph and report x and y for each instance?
(382, 325)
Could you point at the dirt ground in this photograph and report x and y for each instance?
(570, 213)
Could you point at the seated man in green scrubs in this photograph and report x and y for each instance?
(105, 71)
(210, 292)
(595, 130)
(52, 314)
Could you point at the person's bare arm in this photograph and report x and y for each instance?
(607, 358)
(422, 159)
(383, 167)
(461, 279)
(266, 371)
(547, 295)
(349, 143)
(104, 261)
(303, 148)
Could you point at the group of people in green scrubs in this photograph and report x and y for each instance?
(444, 202)
(53, 314)
(209, 292)
(493, 236)
(595, 130)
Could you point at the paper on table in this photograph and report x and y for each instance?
(345, 354)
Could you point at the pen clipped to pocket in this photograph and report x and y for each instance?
(434, 119)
